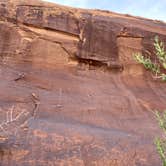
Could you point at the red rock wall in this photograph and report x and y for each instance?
(73, 116)
(101, 36)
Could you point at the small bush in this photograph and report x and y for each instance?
(160, 63)
(157, 68)
(161, 142)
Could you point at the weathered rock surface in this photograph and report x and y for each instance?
(100, 36)
(59, 103)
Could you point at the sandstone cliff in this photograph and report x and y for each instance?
(27, 27)
(57, 104)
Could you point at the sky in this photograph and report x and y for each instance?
(154, 9)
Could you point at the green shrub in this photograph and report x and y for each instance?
(161, 142)
(156, 68)
(159, 64)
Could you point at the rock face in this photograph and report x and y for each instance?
(57, 104)
(101, 36)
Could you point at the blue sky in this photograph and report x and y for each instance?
(155, 9)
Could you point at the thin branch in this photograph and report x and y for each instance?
(3, 130)
(36, 101)
(7, 117)
(18, 116)
(11, 114)
(60, 98)
(21, 76)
